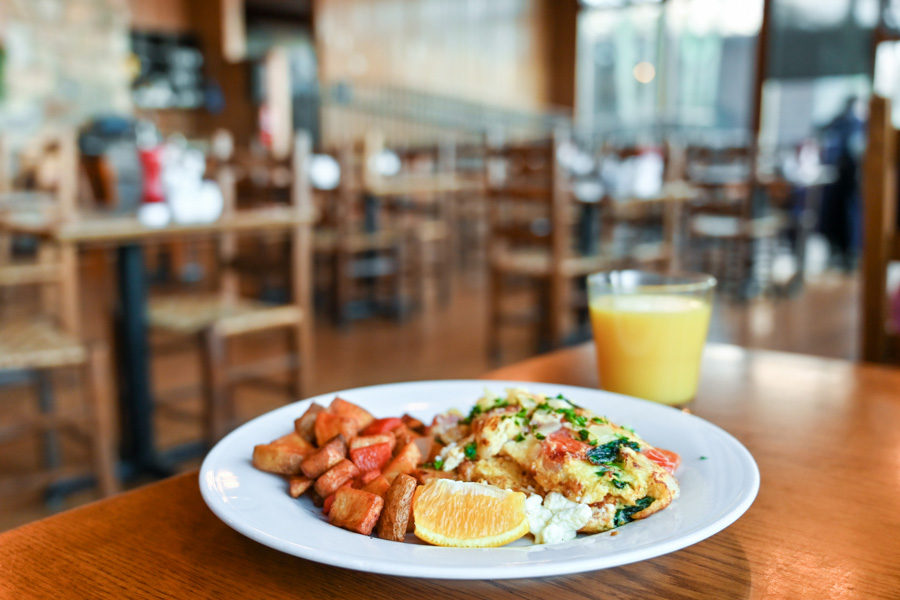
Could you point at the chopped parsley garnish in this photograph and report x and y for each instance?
(619, 483)
(520, 438)
(584, 434)
(703, 458)
(500, 403)
(608, 452)
(522, 414)
(598, 420)
(476, 410)
(471, 451)
(572, 404)
(624, 515)
(540, 436)
(439, 463)
(572, 417)
(593, 442)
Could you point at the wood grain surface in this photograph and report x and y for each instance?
(825, 524)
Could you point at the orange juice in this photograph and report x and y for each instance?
(649, 345)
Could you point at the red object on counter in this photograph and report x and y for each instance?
(151, 164)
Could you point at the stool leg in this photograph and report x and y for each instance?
(100, 400)
(215, 385)
(44, 383)
(300, 338)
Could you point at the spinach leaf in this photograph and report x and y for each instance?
(609, 451)
(624, 515)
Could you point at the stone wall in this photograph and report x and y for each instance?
(66, 61)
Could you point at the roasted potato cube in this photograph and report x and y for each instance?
(297, 484)
(343, 408)
(413, 423)
(424, 475)
(282, 456)
(355, 510)
(324, 458)
(367, 477)
(306, 424)
(329, 425)
(397, 508)
(405, 462)
(335, 477)
(362, 441)
(378, 486)
(404, 435)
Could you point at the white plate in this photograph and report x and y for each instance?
(718, 477)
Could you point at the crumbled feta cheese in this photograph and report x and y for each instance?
(555, 518)
(452, 455)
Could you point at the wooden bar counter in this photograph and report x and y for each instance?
(826, 522)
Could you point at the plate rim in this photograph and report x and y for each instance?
(531, 570)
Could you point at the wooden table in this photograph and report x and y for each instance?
(128, 235)
(825, 524)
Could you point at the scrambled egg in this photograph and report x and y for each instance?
(530, 443)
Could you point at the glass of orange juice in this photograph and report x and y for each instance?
(649, 330)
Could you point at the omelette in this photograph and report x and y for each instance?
(537, 445)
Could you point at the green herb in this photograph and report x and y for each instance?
(619, 483)
(520, 438)
(572, 404)
(471, 451)
(522, 414)
(598, 420)
(439, 463)
(624, 515)
(593, 442)
(573, 418)
(476, 410)
(500, 403)
(543, 406)
(583, 434)
(540, 436)
(702, 458)
(608, 452)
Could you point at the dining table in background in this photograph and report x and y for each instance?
(127, 235)
(824, 525)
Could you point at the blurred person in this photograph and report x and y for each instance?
(843, 146)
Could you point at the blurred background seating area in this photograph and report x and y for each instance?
(223, 205)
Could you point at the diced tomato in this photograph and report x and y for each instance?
(560, 444)
(382, 426)
(371, 458)
(667, 459)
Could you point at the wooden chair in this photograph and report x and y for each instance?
(420, 200)
(363, 255)
(881, 239)
(643, 225)
(531, 216)
(728, 235)
(218, 317)
(40, 333)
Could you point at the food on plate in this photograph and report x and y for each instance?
(398, 500)
(468, 515)
(515, 464)
(537, 445)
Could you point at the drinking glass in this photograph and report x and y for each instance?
(649, 330)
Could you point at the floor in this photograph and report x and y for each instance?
(442, 341)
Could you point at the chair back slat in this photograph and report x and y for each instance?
(881, 241)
